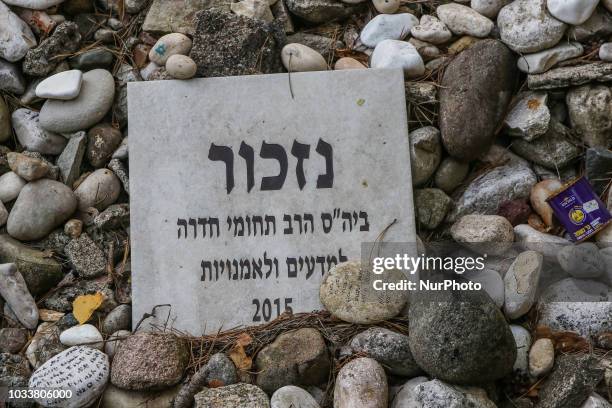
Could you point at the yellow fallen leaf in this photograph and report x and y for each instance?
(84, 306)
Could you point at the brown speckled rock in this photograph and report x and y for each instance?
(149, 361)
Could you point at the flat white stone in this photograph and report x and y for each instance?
(398, 54)
(33, 4)
(544, 60)
(82, 370)
(16, 38)
(182, 199)
(387, 27)
(82, 335)
(462, 20)
(574, 12)
(65, 85)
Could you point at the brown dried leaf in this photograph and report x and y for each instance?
(240, 358)
(536, 222)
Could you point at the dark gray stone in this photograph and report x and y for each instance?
(225, 44)
(573, 379)
(553, 150)
(599, 167)
(43, 59)
(322, 11)
(221, 370)
(69, 162)
(464, 338)
(484, 76)
(92, 59)
(121, 172)
(120, 318)
(390, 349)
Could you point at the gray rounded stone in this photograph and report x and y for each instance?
(526, 26)
(10, 186)
(221, 369)
(389, 348)
(361, 380)
(582, 261)
(387, 27)
(341, 293)
(484, 75)
(92, 104)
(486, 234)
(291, 396)
(16, 38)
(99, 190)
(463, 339)
(41, 206)
(521, 283)
(425, 153)
(120, 318)
(450, 174)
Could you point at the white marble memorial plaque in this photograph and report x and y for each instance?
(244, 191)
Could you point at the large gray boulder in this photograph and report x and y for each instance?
(483, 76)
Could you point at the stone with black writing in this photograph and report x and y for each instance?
(82, 370)
(149, 361)
(297, 357)
(361, 383)
(341, 294)
(389, 348)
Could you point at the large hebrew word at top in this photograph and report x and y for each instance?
(276, 152)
